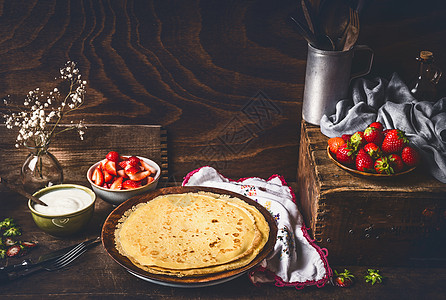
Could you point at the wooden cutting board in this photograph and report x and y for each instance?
(76, 155)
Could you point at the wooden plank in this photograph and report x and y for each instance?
(76, 155)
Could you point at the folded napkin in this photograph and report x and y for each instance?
(296, 260)
(391, 103)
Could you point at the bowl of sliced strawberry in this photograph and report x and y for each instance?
(117, 178)
(374, 152)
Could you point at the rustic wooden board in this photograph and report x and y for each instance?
(369, 220)
(76, 155)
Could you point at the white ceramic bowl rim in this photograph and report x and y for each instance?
(149, 161)
(63, 185)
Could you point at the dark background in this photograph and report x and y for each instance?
(224, 78)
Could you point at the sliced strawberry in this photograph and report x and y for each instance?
(98, 176)
(133, 161)
(122, 173)
(132, 170)
(130, 184)
(13, 251)
(29, 244)
(9, 242)
(102, 162)
(117, 184)
(110, 167)
(113, 156)
(123, 164)
(107, 176)
(139, 176)
(148, 167)
(94, 175)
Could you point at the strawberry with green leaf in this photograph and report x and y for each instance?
(394, 141)
(357, 140)
(346, 154)
(373, 135)
(383, 166)
(364, 162)
(344, 279)
(373, 150)
(373, 276)
(377, 125)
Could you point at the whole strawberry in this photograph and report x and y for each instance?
(344, 279)
(373, 150)
(396, 162)
(334, 144)
(346, 154)
(364, 162)
(410, 156)
(357, 140)
(382, 166)
(394, 142)
(346, 137)
(373, 135)
(377, 125)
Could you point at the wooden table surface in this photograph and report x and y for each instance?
(96, 275)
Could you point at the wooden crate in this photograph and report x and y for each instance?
(397, 221)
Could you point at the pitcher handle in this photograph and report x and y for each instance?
(369, 67)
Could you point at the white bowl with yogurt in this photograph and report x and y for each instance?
(69, 208)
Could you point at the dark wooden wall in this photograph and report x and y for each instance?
(225, 78)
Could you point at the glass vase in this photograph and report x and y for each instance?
(40, 169)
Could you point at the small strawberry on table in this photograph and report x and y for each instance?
(344, 279)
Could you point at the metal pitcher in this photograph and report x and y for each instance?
(327, 79)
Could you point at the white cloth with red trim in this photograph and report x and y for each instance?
(296, 260)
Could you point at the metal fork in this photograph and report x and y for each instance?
(67, 258)
(60, 262)
(352, 31)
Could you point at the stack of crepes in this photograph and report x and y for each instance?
(192, 234)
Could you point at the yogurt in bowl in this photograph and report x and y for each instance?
(70, 208)
(63, 201)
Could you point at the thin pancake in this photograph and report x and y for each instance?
(181, 232)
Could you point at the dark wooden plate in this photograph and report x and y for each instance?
(108, 240)
(366, 174)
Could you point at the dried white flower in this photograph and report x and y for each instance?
(39, 124)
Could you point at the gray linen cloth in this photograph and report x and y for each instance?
(392, 104)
